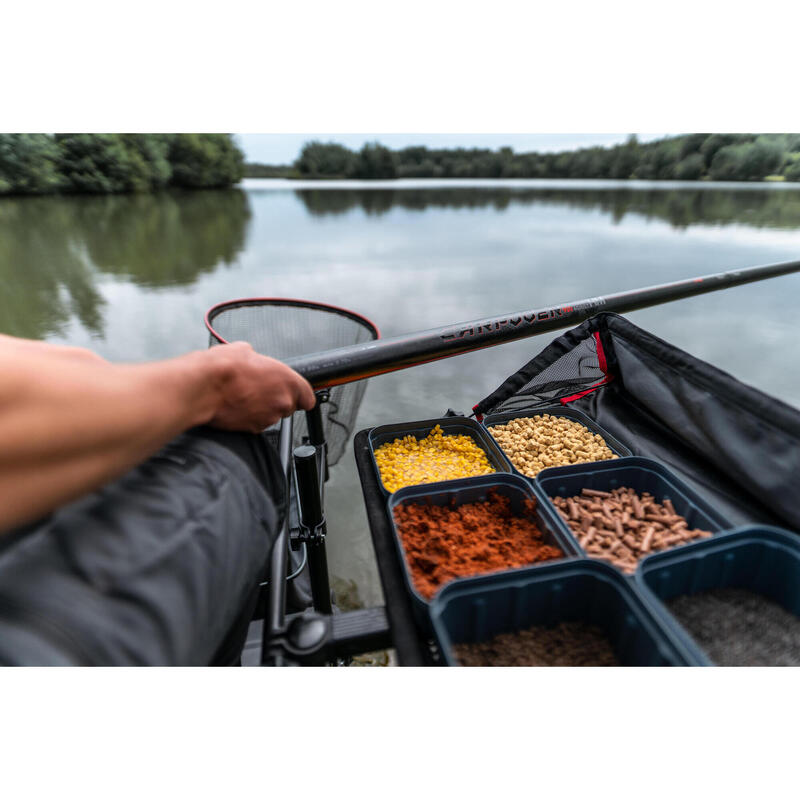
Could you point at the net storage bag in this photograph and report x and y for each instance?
(736, 445)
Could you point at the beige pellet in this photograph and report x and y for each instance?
(541, 441)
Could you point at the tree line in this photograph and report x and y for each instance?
(697, 156)
(110, 163)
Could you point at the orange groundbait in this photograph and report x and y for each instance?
(447, 542)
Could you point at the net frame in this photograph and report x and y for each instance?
(242, 302)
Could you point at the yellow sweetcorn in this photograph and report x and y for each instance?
(409, 461)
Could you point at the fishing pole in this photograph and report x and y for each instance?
(366, 360)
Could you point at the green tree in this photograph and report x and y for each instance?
(153, 148)
(791, 168)
(763, 157)
(716, 141)
(691, 144)
(28, 163)
(205, 160)
(625, 158)
(727, 162)
(101, 163)
(747, 161)
(690, 168)
(376, 162)
(329, 160)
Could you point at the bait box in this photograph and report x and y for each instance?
(557, 411)
(639, 474)
(763, 560)
(477, 609)
(451, 426)
(473, 490)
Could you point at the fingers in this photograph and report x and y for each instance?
(257, 391)
(306, 399)
(302, 395)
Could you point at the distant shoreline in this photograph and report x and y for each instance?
(688, 157)
(454, 183)
(291, 175)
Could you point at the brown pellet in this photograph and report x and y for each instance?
(595, 493)
(573, 509)
(617, 537)
(568, 644)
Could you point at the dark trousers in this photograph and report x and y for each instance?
(159, 567)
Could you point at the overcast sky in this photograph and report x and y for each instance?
(283, 148)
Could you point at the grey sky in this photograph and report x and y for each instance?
(283, 148)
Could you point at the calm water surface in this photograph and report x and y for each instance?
(131, 277)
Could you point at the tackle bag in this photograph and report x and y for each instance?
(736, 446)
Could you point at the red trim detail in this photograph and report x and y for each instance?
(289, 301)
(478, 416)
(565, 400)
(601, 356)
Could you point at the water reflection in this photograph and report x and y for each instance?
(141, 271)
(681, 207)
(52, 250)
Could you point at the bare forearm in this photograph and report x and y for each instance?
(70, 422)
(67, 426)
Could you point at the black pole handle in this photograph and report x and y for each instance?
(354, 363)
(313, 519)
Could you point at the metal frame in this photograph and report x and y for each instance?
(318, 635)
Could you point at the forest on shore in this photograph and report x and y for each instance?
(111, 163)
(689, 157)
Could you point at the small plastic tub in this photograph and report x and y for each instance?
(762, 560)
(639, 474)
(573, 414)
(474, 490)
(477, 609)
(451, 426)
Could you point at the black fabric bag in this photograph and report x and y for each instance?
(737, 446)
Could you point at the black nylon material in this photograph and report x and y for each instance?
(156, 568)
(739, 447)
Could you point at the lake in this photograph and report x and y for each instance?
(132, 276)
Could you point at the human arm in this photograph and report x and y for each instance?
(70, 423)
(14, 344)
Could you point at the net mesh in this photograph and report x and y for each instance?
(286, 329)
(567, 367)
(571, 373)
